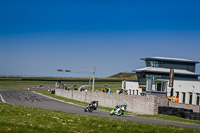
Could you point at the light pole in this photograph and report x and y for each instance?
(63, 70)
(93, 79)
(90, 81)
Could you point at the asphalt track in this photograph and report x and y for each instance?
(30, 99)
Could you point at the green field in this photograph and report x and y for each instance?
(8, 82)
(24, 119)
(98, 85)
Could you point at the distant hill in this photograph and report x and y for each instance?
(124, 75)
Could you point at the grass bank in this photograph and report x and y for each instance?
(24, 119)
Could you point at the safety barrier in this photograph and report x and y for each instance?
(179, 112)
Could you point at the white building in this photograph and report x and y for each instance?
(154, 79)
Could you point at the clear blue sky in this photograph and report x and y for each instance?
(37, 37)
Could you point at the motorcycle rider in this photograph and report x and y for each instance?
(124, 105)
(92, 106)
(119, 110)
(95, 104)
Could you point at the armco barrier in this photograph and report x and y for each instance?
(135, 103)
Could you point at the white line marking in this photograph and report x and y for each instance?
(64, 101)
(56, 99)
(2, 98)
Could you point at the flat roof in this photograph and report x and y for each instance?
(170, 59)
(165, 70)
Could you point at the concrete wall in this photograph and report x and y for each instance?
(135, 103)
(195, 108)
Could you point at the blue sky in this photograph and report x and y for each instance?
(38, 37)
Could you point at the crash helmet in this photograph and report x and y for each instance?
(125, 105)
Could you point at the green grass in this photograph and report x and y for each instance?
(14, 89)
(59, 78)
(6, 83)
(18, 83)
(26, 120)
(159, 116)
(10, 82)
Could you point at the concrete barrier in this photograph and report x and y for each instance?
(135, 103)
(195, 108)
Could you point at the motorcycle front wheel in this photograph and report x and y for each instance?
(111, 112)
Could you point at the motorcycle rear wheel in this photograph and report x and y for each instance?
(119, 113)
(90, 109)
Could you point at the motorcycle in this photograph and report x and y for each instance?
(118, 110)
(92, 106)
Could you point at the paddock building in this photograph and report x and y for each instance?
(154, 79)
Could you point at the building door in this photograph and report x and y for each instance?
(158, 86)
(198, 98)
(190, 100)
(177, 94)
(183, 97)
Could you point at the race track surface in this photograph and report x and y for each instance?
(30, 99)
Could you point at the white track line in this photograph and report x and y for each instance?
(2, 98)
(56, 99)
(63, 101)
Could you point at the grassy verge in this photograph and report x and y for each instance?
(99, 85)
(14, 89)
(159, 116)
(24, 119)
(8, 82)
